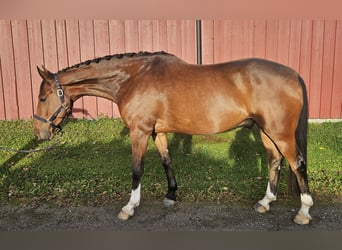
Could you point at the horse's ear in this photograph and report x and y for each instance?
(45, 74)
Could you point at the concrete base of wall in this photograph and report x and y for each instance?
(324, 120)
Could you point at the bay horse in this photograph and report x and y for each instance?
(157, 93)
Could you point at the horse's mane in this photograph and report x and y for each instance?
(117, 56)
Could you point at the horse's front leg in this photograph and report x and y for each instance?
(139, 142)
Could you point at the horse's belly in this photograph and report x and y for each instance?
(202, 124)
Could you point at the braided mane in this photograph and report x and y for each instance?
(116, 56)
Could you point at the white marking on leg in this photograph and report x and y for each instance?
(307, 202)
(269, 197)
(134, 201)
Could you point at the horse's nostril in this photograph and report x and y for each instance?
(44, 135)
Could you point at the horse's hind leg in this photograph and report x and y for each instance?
(298, 167)
(288, 148)
(274, 159)
(161, 142)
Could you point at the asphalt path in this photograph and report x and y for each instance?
(184, 216)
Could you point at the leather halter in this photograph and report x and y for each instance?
(60, 94)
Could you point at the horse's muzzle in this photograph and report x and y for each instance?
(44, 135)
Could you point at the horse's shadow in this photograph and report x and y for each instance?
(248, 151)
(247, 166)
(17, 156)
(182, 143)
(244, 171)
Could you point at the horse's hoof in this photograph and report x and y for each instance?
(302, 219)
(168, 203)
(123, 215)
(260, 208)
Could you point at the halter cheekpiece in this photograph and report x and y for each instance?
(60, 94)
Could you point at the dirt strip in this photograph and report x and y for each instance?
(184, 216)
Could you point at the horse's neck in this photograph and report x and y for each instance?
(91, 81)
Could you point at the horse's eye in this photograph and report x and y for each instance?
(42, 98)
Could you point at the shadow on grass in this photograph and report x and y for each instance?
(241, 174)
(182, 142)
(248, 152)
(96, 172)
(17, 156)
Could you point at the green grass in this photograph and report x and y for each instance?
(91, 165)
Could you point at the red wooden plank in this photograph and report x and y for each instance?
(227, 41)
(2, 100)
(207, 41)
(117, 36)
(74, 57)
(260, 38)
(272, 40)
(316, 68)
(131, 36)
(117, 45)
(145, 31)
(159, 35)
(101, 37)
(283, 41)
(174, 37)
(336, 99)
(86, 30)
(22, 68)
(188, 38)
(305, 53)
(218, 37)
(36, 55)
(73, 42)
(61, 41)
(222, 42)
(237, 39)
(294, 46)
(248, 39)
(8, 71)
(49, 45)
(327, 68)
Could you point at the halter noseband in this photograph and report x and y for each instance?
(63, 105)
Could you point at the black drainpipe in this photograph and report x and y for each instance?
(199, 41)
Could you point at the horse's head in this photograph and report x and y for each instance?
(53, 106)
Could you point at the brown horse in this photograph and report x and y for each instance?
(158, 93)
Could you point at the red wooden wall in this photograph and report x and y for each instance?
(312, 47)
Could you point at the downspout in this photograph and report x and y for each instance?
(199, 41)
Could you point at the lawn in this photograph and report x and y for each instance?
(90, 164)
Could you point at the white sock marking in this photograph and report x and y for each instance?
(269, 197)
(134, 201)
(307, 202)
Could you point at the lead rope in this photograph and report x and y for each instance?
(28, 151)
(48, 148)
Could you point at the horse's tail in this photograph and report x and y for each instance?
(301, 140)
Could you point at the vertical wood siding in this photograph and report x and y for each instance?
(312, 47)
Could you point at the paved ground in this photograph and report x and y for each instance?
(153, 216)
